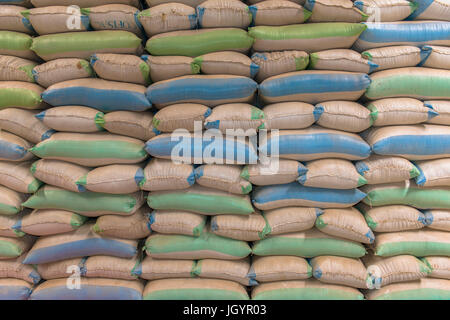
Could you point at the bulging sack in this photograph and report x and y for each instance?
(90, 204)
(226, 62)
(91, 149)
(279, 268)
(420, 83)
(304, 290)
(10, 201)
(294, 194)
(233, 270)
(210, 90)
(11, 18)
(49, 222)
(222, 177)
(193, 43)
(11, 248)
(114, 179)
(384, 169)
(167, 17)
(336, 10)
(289, 115)
(331, 173)
(17, 176)
(393, 57)
(402, 268)
(111, 267)
(415, 142)
(278, 62)
(169, 67)
(60, 70)
(314, 86)
(181, 116)
(341, 60)
(135, 226)
(14, 148)
(394, 218)
(16, 69)
(418, 243)
(82, 3)
(200, 200)
(79, 243)
(162, 174)
(316, 143)
(222, 14)
(59, 173)
(8, 224)
(63, 19)
(433, 173)
(386, 11)
(130, 123)
(16, 44)
(19, 94)
(440, 219)
(201, 289)
(24, 124)
(90, 289)
(15, 269)
(14, 289)
(121, 67)
(339, 270)
(240, 119)
(398, 111)
(100, 94)
(343, 115)
(385, 34)
(310, 37)
(278, 13)
(423, 289)
(210, 148)
(310, 243)
(84, 44)
(205, 246)
(177, 222)
(153, 269)
(114, 17)
(72, 119)
(430, 10)
(283, 171)
(346, 223)
(436, 57)
(440, 266)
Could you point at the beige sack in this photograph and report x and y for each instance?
(433, 173)
(121, 67)
(398, 111)
(334, 10)
(114, 179)
(177, 222)
(227, 62)
(347, 223)
(279, 171)
(236, 271)
(441, 219)
(24, 124)
(278, 62)
(393, 57)
(46, 222)
(63, 19)
(135, 226)
(111, 267)
(339, 270)
(164, 68)
(181, 116)
(60, 70)
(223, 177)
(168, 17)
(8, 226)
(152, 269)
(14, 268)
(343, 115)
(289, 115)
(279, 268)
(82, 3)
(16, 69)
(130, 123)
(386, 10)
(11, 18)
(439, 57)
(60, 269)
(443, 108)
(73, 119)
(278, 13)
(240, 119)
(440, 267)
(10, 201)
(14, 148)
(59, 173)
(162, 174)
(17, 176)
(341, 60)
(223, 14)
(331, 173)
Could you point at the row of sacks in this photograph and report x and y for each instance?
(306, 37)
(211, 90)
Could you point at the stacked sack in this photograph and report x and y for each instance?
(128, 204)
